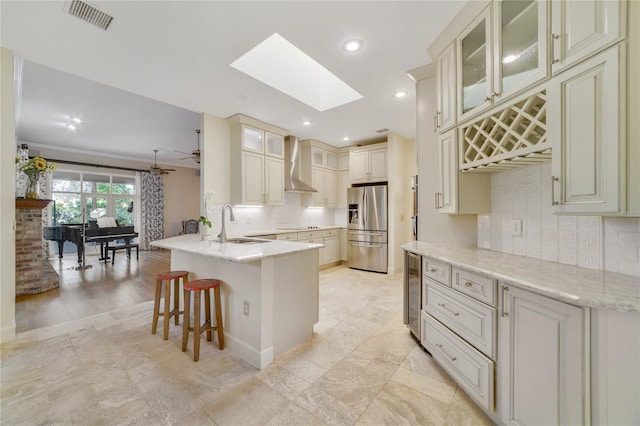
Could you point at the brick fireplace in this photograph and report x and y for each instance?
(33, 275)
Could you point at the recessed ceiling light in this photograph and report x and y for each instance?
(306, 122)
(302, 78)
(401, 94)
(76, 119)
(346, 138)
(71, 126)
(352, 45)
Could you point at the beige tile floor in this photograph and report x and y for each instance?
(361, 367)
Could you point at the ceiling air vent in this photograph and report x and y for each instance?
(385, 130)
(90, 14)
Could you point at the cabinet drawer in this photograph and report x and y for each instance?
(330, 233)
(309, 234)
(475, 322)
(475, 285)
(436, 270)
(468, 367)
(289, 236)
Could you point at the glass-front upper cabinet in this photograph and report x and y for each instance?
(502, 52)
(275, 145)
(520, 44)
(252, 139)
(474, 72)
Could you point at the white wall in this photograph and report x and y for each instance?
(7, 199)
(610, 243)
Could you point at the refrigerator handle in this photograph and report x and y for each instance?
(365, 213)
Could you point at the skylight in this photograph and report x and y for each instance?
(279, 64)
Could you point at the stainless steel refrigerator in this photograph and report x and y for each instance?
(367, 228)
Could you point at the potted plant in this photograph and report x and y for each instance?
(35, 168)
(203, 222)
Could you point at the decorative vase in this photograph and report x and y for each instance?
(32, 191)
(203, 231)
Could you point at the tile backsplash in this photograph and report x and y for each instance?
(292, 214)
(521, 222)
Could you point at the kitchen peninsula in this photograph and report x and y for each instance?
(269, 292)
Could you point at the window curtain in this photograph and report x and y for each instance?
(152, 208)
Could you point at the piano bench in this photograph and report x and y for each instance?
(127, 247)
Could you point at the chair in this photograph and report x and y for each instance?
(190, 226)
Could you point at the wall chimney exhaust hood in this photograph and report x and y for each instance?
(292, 182)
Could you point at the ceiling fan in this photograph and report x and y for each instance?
(157, 170)
(194, 154)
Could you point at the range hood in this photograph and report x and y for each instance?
(292, 182)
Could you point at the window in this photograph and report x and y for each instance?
(99, 194)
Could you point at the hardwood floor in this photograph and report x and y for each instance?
(102, 288)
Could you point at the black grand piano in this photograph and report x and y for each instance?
(72, 232)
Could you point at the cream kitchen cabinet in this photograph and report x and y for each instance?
(368, 164)
(459, 193)
(500, 53)
(446, 89)
(262, 180)
(589, 140)
(582, 28)
(257, 162)
(331, 252)
(543, 361)
(326, 183)
(319, 165)
(344, 178)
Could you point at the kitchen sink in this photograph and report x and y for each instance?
(244, 241)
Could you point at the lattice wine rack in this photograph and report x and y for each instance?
(512, 137)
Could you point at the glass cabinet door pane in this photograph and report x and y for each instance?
(519, 41)
(251, 139)
(317, 157)
(275, 144)
(331, 160)
(474, 67)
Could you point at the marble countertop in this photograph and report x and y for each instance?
(572, 284)
(192, 243)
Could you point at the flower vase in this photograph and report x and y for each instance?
(32, 191)
(203, 232)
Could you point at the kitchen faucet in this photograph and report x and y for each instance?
(223, 234)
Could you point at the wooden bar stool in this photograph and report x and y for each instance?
(166, 278)
(198, 286)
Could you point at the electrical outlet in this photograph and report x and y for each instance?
(246, 308)
(516, 227)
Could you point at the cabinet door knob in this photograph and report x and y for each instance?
(494, 94)
(433, 270)
(487, 98)
(468, 284)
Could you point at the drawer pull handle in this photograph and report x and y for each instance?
(505, 295)
(452, 358)
(433, 270)
(443, 306)
(468, 284)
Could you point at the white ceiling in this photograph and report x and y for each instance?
(142, 83)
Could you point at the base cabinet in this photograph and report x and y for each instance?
(542, 360)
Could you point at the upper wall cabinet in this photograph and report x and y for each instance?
(446, 89)
(257, 163)
(502, 52)
(582, 28)
(368, 164)
(588, 135)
